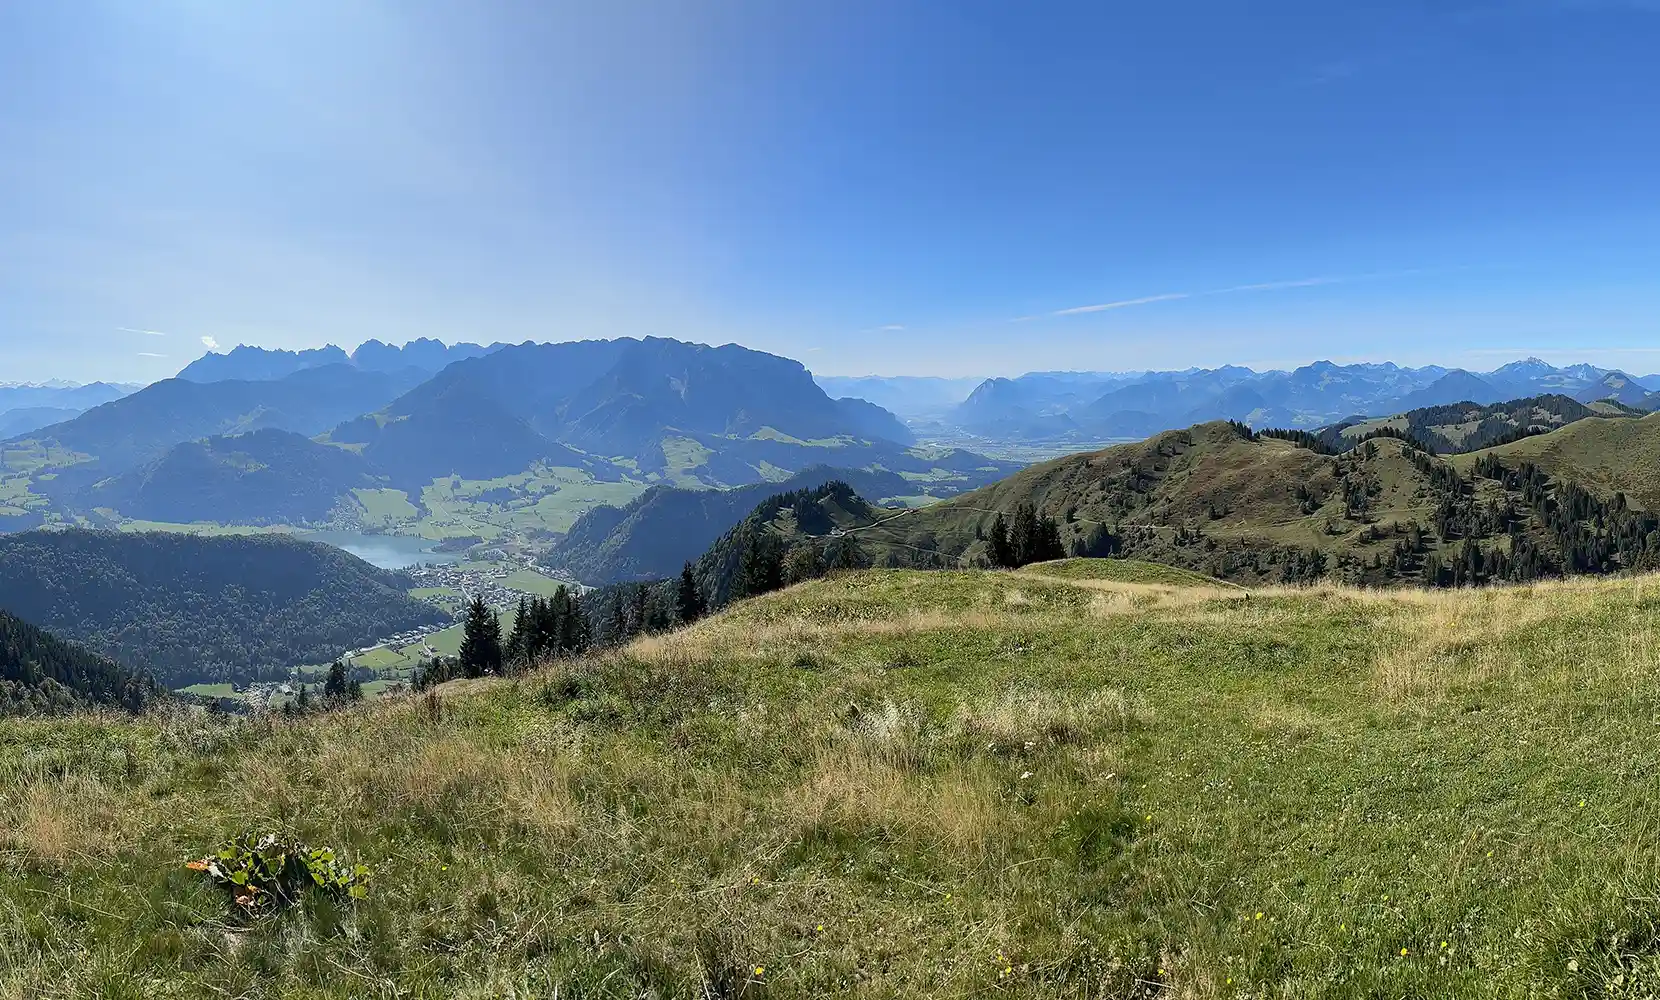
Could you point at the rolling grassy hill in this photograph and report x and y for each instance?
(1607, 454)
(1222, 500)
(891, 783)
(1468, 426)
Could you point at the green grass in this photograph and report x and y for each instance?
(385, 508)
(1123, 571)
(211, 690)
(1606, 454)
(205, 528)
(898, 784)
(680, 456)
(544, 498)
(532, 582)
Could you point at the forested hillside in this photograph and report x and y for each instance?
(190, 609)
(265, 477)
(651, 537)
(1276, 506)
(41, 674)
(1456, 428)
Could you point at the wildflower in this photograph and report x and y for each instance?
(1024, 775)
(1582, 803)
(821, 928)
(1259, 915)
(1403, 951)
(760, 970)
(1443, 944)
(197, 866)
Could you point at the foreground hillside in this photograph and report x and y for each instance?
(1090, 780)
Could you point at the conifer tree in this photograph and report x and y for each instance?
(998, 544)
(688, 599)
(761, 566)
(520, 646)
(480, 641)
(334, 688)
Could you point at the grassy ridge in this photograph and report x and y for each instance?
(911, 784)
(1604, 454)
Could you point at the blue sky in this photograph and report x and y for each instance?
(891, 187)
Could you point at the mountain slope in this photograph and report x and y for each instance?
(451, 428)
(587, 403)
(28, 418)
(665, 527)
(1226, 502)
(1049, 406)
(263, 477)
(191, 609)
(1454, 387)
(1463, 427)
(1603, 454)
(1621, 388)
(142, 427)
(42, 674)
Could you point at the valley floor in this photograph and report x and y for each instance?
(1088, 779)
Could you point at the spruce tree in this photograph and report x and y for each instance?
(334, 689)
(998, 544)
(761, 566)
(520, 647)
(480, 641)
(689, 599)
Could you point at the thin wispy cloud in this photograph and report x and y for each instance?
(210, 343)
(893, 327)
(147, 333)
(1275, 286)
(1124, 304)
(1262, 286)
(150, 354)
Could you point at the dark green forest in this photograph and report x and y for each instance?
(42, 674)
(191, 609)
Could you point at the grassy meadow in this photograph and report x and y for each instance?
(1077, 780)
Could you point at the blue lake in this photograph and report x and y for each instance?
(385, 551)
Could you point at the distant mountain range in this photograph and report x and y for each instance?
(255, 364)
(142, 427)
(1082, 407)
(645, 411)
(650, 403)
(26, 406)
